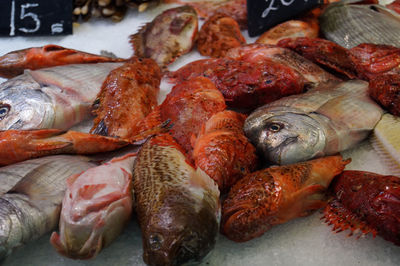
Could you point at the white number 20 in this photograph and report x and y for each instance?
(24, 15)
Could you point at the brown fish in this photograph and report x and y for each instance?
(177, 206)
(170, 35)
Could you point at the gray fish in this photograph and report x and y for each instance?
(56, 97)
(330, 118)
(349, 24)
(32, 207)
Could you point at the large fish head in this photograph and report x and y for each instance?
(23, 105)
(174, 238)
(285, 137)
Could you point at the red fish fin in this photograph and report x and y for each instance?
(88, 191)
(342, 219)
(137, 41)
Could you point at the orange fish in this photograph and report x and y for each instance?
(14, 63)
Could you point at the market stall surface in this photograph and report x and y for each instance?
(304, 241)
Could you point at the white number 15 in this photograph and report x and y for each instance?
(24, 15)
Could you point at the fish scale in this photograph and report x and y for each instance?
(350, 25)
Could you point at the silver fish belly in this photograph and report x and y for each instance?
(32, 206)
(328, 119)
(56, 97)
(350, 24)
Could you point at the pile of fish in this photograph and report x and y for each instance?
(244, 141)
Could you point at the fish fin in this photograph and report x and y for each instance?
(100, 129)
(162, 127)
(137, 41)
(44, 133)
(88, 191)
(342, 219)
(202, 179)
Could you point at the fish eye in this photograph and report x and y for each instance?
(4, 109)
(155, 241)
(275, 127)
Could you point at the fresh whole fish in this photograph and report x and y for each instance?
(31, 207)
(349, 24)
(177, 206)
(330, 118)
(96, 207)
(276, 195)
(170, 35)
(57, 97)
(14, 63)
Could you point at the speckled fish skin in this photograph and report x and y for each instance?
(170, 35)
(14, 63)
(33, 207)
(349, 24)
(258, 53)
(177, 206)
(56, 97)
(328, 119)
(96, 207)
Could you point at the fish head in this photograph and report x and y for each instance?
(23, 105)
(175, 238)
(285, 137)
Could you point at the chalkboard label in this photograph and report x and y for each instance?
(35, 17)
(264, 14)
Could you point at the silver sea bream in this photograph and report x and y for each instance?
(328, 119)
(349, 24)
(56, 97)
(31, 206)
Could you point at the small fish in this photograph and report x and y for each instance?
(258, 53)
(170, 35)
(323, 121)
(56, 97)
(222, 150)
(96, 207)
(218, 34)
(177, 206)
(365, 203)
(386, 142)
(127, 96)
(349, 24)
(289, 29)
(20, 145)
(32, 206)
(276, 195)
(14, 63)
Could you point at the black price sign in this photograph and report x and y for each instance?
(35, 17)
(264, 14)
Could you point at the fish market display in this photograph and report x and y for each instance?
(386, 142)
(56, 97)
(127, 96)
(259, 53)
(349, 24)
(223, 151)
(177, 206)
(96, 207)
(244, 84)
(188, 106)
(323, 121)
(32, 206)
(14, 63)
(276, 195)
(20, 145)
(170, 35)
(218, 34)
(365, 203)
(289, 29)
(323, 52)
(395, 5)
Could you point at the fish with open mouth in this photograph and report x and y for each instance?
(327, 119)
(57, 97)
(30, 205)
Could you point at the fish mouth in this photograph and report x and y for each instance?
(275, 154)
